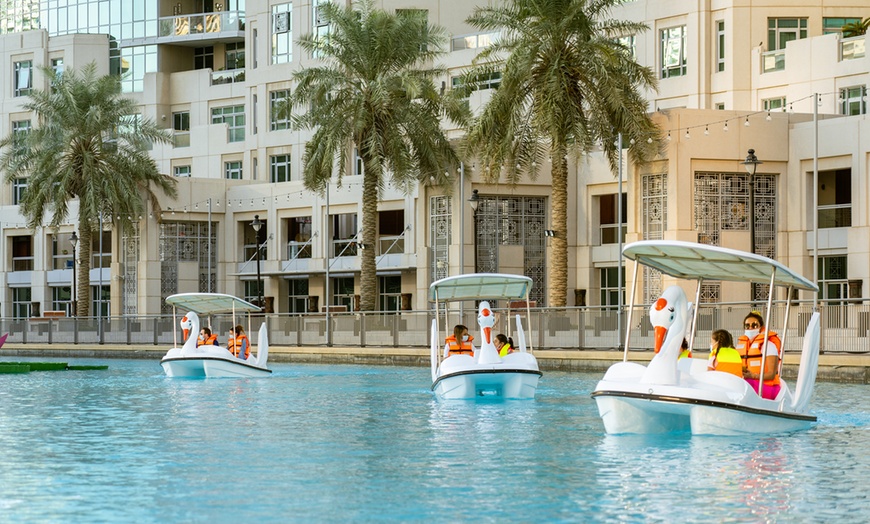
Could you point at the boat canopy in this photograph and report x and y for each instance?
(481, 286)
(701, 261)
(209, 303)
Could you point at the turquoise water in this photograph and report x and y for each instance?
(356, 443)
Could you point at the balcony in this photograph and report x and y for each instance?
(201, 29)
(837, 215)
(473, 41)
(227, 77)
(773, 61)
(852, 48)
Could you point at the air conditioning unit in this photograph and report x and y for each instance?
(282, 22)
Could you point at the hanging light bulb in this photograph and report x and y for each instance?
(669, 136)
(746, 123)
(768, 118)
(687, 135)
(706, 130)
(534, 164)
(649, 140)
(726, 127)
(631, 142)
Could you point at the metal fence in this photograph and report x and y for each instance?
(844, 327)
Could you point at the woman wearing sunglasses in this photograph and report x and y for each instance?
(749, 345)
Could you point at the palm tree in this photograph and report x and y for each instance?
(856, 28)
(375, 90)
(567, 86)
(89, 145)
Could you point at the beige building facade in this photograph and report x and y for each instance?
(733, 76)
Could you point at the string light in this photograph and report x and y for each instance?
(768, 118)
(706, 131)
(726, 127)
(687, 135)
(746, 123)
(649, 140)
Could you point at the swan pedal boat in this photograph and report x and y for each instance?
(213, 361)
(673, 394)
(486, 374)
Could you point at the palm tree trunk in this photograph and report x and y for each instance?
(82, 306)
(368, 268)
(559, 217)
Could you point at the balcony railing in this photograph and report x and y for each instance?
(475, 41)
(394, 245)
(22, 263)
(852, 48)
(298, 250)
(344, 248)
(181, 139)
(182, 26)
(838, 215)
(609, 233)
(227, 77)
(773, 61)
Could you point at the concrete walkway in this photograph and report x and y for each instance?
(847, 368)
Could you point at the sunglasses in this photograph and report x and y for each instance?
(752, 325)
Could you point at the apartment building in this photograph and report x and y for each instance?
(733, 77)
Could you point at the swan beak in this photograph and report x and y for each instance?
(661, 331)
(185, 332)
(487, 334)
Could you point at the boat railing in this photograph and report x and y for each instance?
(845, 327)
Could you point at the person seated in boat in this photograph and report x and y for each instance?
(241, 346)
(749, 346)
(685, 351)
(504, 345)
(459, 343)
(206, 338)
(723, 356)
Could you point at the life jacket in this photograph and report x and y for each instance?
(242, 342)
(210, 341)
(505, 350)
(727, 360)
(686, 353)
(231, 345)
(460, 347)
(753, 357)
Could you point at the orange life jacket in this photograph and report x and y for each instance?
(231, 345)
(753, 357)
(459, 347)
(210, 341)
(242, 340)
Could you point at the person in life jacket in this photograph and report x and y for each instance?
(504, 345)
(459, 343)
(206, 338)
(231, 342)
(723, 356)
(241, 346)
(749, 346)
(685, 351)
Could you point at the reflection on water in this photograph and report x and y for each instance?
(355, 443)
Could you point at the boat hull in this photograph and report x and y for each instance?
(488, 383)
(210, 361)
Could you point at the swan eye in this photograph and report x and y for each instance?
(671, 309)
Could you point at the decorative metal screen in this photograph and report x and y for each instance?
(130, 272)
(721, 204)
(654, 195)
(186, 242)
(513, 221)
(439, 237)
(710, 292)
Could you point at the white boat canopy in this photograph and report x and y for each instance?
(481, 286)
(700, 261)
(210, 303)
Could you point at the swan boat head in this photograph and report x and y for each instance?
(668, 316)
(486, 320)
(190, 329)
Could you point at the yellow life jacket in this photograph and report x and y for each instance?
(728, 360)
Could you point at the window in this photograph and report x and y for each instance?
(629, 43)
(298, 295)
(22, 253)
(233, 170)
(611, 287)
(277, 99)
(720, 106)
(181, 171)
(23, 78)
(674, 51)
(61, 299)
(320, 25)
(234, 117)
(853, 100)
(342, 294)
(359, 167)
(833, 277)
(181, 128)
(608, 218)
(203, 57)
(279, 168)
(299, 244)
(490, 81)
(137, 61)
(391, 232)
(835, 198)
(781, 31)
(101, 258)
(61, 251)
(282, 33)
(57, 66)
(770, 104)
(390, 297)
(235, 55)
(253, 291)
(19, 186)
(21, 302)
(720, 45)
(835, 25)
(343, 230)
(101, 301)
(20, 129)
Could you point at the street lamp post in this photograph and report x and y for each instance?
(474, 200)
(751, 164)
(73, 240)
(256, 224)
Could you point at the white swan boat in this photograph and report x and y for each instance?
(213, 361)
(485, 374)
(674, 394)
